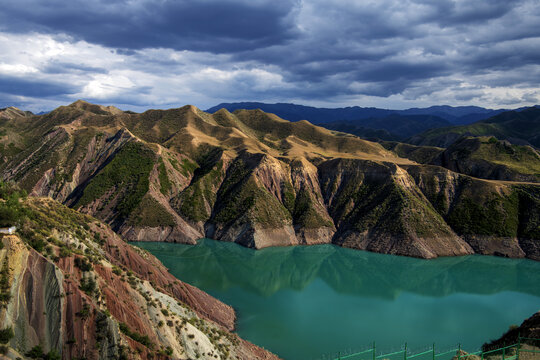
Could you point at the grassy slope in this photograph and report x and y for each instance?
(523, 125)
(487, 157)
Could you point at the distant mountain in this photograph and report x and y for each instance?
(518, 127)
(293, 112)
(458, 115)
(391, 127)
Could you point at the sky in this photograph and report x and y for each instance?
(140, 54)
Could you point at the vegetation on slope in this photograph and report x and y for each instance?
(127, 173)
(489, 158)
(241, 199)
(516, 126)
(150, 213)
(305, 213)
(420, 154)
(198, 198)
(491, 216)
(164, 182)
(11, 211)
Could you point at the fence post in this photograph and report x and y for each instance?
(433, 351)
(405, 353)
(339, 355)
(518, 346)
(374, 350)
(459, 352)
(504, 351)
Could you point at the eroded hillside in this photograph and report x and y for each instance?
(72, 288)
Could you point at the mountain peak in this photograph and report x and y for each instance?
(96, 109)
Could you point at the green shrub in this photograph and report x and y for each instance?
(64, 252)
(6, 335)
(98, 239)
(143, 339)
(11, 210)
(84, 313)
(83, 264)
(36, 352)
(52, 355)
(88, 286)
(165, 183)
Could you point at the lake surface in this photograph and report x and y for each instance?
(311, 302)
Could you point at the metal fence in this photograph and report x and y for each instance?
(524, 349)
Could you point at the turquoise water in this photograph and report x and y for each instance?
(311, 302)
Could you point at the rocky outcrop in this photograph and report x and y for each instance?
(36, 287)
(529, 330)
(11, 113)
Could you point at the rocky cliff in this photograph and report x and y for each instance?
(527, 334)
(71, 288)
(250, 177)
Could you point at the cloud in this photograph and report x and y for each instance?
(29, 87)
(387, 53)
(209, 25)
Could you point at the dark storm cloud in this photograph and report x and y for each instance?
(211, 25)
(451, 13)
(38, 88)
(301, 49)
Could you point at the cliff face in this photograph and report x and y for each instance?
(70, 285)
(380, 208)
(252, 178)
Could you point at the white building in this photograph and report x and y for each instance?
(10, 230)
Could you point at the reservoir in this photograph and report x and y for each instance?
(309, 302)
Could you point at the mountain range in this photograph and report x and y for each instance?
(373, 123)
(258, 180)
(459, 115)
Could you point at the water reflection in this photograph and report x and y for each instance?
(265, 272)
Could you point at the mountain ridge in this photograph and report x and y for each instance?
(518, 127)
(320, 115)
(258, 180)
